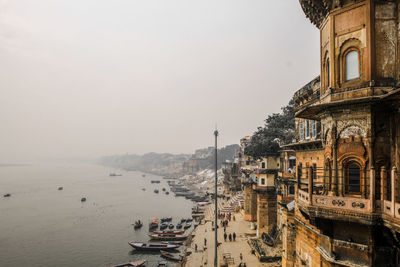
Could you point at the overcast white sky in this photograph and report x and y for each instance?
(85, 78)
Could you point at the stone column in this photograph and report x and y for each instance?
(334, 171)
(383, 183)
(393, 184)
(310, 183)
(372, 188)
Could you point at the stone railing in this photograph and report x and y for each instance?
(345, 203)
(303, 196)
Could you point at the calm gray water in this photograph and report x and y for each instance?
(41, 226)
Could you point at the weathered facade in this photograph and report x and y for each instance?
(347, 197)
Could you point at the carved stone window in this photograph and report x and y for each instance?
(313, 129)
(307, 129)
(301, 130)
(353, 178)
(351, 64)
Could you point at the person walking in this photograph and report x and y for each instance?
(241, 257)
(205, 242)
(230, 237)
(195, 247)
(234, 236)
(225, 236)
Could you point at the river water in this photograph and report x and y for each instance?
(42, 226)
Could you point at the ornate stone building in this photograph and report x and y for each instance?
(348, 138)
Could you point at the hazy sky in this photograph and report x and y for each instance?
(88, 78)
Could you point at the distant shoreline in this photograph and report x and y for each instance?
(14, 164)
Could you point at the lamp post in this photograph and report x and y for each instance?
(215, 199)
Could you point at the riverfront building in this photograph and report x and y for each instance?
(347, 197)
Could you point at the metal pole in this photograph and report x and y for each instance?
(216, 201)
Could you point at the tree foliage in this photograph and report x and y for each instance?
(278, 129)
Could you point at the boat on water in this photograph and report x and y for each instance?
(171, 226)
(153, 246)
(189, 220)
(183, 220)
(187, 225)
(167, 237)
(153, 225)
(166, 219)
(155, 181)
(167, 193)
(138, 224)
(143, 175)
(7, 195)
(83, 199)
(156, 191)
(162, 264)
(176, 232)
(115, 174)
(179, 226)
(163, 189)
(163, 225)
(131, 264)
(170, 256)
(60, 188)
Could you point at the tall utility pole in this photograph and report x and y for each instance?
(216, 201)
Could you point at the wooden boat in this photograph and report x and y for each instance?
(167, 237)
(153, 246)
(169, 232)
(153, 225)
(166, 219)
(163, 226)
(137, 224)
(162, 264)
(131, 264)
(170, 256)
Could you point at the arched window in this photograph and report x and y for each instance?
(263, 165)
(328, 76)
(291, 190)
(352, 65)
(262, 181)
(353, 173)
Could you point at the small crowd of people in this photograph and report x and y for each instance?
(231, 237)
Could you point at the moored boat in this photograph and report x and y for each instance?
(166, 219)
(155, 181)
(171, 226)
(162, 264)
(156, 191)
(188, 225)
(153, 246)
(131, 264)
(7, 195)
(181, 232)
(179, 226)
(167, 237)
(170, 256)
(163, 226)
(83, 199)
(153, 224)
